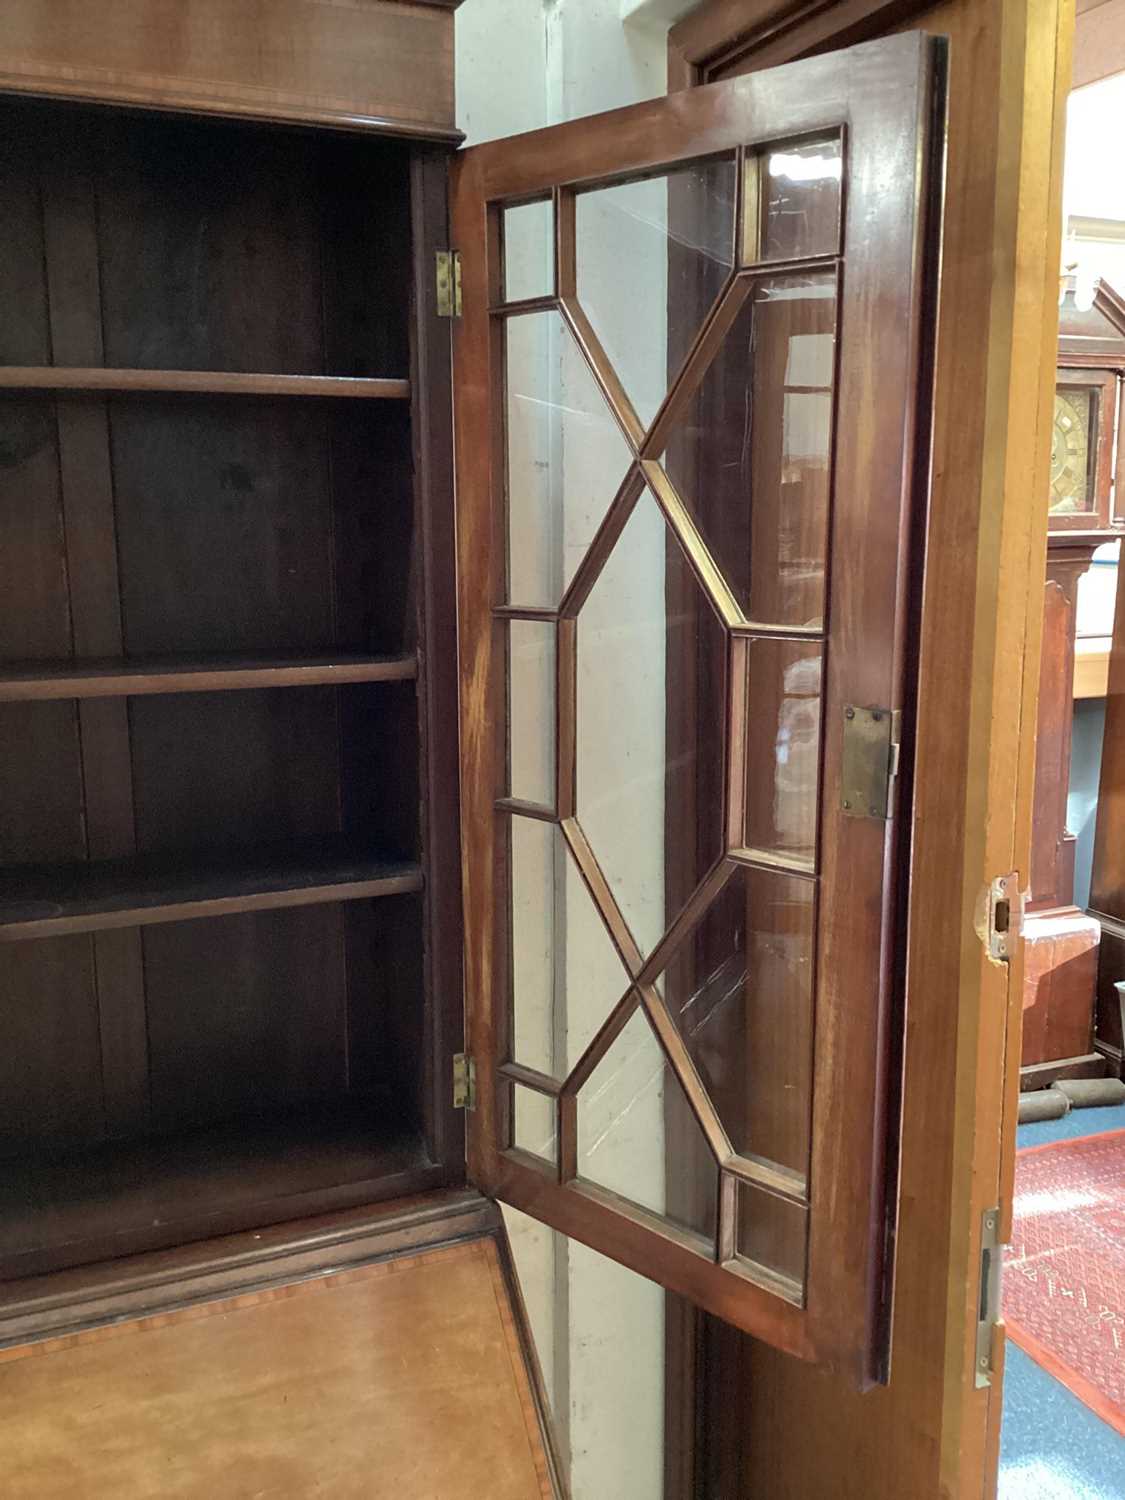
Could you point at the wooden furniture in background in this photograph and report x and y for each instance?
(1085, 510)
(1060, 940)
(1107, 877)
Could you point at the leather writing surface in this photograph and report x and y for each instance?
(403, 1379)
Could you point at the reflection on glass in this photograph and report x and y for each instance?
(598, 1328)
(651, 674)
(534, 1123)
(566, 975)
(800, 200)
(529, 251)
(566, 457)
(643, 249)
(531, 711)
(783, 747)
(1072, 471)
(740, 990)
(772, 1232)
(638, 1137)
(750, 454)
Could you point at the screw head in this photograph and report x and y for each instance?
(847, 805)
(877, 716)
(849, 713)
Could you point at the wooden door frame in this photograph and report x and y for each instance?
(933, 1430)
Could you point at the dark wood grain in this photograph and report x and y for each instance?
(124, 1198)
(71, 261)
(227, 555)
(51, 1095)
(249, 1022)
(383, 67)
(443, 1033)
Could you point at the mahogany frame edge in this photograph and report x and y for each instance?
(54, 1303)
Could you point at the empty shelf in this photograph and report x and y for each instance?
(117, 677)
(126, 1196)
(198, 382)
(38, 901)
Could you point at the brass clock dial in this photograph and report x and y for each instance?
(1070, 450)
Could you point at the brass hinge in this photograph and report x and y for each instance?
(1005, 916)
(464, 1081)
(447, 280)
(988, 1306)
(870, 762)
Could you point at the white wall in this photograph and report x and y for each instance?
(523, 64)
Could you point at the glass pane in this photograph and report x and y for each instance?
(651, 258)
(1072, 469)
(772, 1232)
(800, 201)
(740, 989)
(534, 1123)
(783, 747)
(531, 711)
(598, 1328)
(566, 975)
(750, 453)
(638, 1137)
(651, 674)
(529, 251)
(566, 457)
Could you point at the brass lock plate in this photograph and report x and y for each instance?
(871, 739)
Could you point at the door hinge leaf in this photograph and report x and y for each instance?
(447, 283)
(872, 738)
(464, 1081)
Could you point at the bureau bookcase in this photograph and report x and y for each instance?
(313, 603)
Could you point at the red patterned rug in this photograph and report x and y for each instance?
(1064, 1272)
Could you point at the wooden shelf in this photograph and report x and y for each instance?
(26, 681)
(38, 901)
(94, 380)
(127, 1196)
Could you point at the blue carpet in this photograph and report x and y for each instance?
(1077, 1122)
(1052, 1447)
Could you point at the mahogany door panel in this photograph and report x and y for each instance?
(686, 564)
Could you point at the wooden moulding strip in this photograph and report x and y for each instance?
(92, 380)
(133, 677)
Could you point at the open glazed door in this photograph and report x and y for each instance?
(691, 403)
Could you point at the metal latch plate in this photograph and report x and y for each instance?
(870, 760)
(1005, 913)
(988, 1310)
